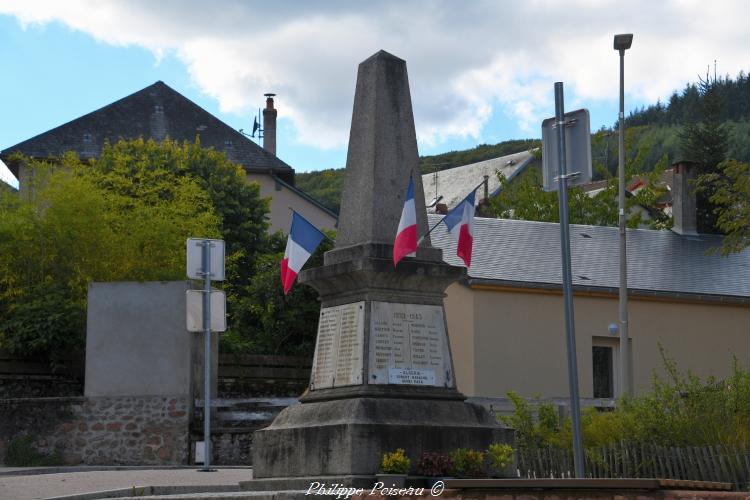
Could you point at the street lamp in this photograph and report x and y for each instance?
(621, 44)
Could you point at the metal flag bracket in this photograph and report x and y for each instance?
(571, 175)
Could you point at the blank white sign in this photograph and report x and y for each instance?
(195, 259)
(195, 311)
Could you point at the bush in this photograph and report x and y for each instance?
(501, 456)
(531, 432)
(468, 463)
(21, 453)
(395, 462)
(434, 464)
(681, 409)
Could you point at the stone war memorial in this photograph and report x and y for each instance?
(382, 374)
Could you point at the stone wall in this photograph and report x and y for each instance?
(233, 422)
(146, 430)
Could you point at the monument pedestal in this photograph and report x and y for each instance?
(382, 376)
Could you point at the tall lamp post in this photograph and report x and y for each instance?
(621, 44)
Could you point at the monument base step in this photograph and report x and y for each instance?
(337, 487)
(304, 484)
(347, 437)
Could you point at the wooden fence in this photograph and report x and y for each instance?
(230, 366)
(264, 366)
(66, 366)
(240, 376)
(633, 460)
(243, 376)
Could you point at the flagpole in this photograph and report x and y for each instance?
(446, 215)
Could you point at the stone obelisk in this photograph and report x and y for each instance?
(382, 373)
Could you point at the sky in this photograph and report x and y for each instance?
(480, 72)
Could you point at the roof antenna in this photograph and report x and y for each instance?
(257, 125)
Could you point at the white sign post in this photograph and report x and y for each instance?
(205, 260)
(576, 126)
(570, 142)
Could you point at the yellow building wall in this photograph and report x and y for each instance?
(459, 316)
(282, 198)
(518, 339)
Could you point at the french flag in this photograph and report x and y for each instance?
(406, 237)
(304, 238)
(460, 223)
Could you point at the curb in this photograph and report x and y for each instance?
(30, 471)
(149, 491)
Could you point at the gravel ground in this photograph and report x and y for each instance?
(39, 486)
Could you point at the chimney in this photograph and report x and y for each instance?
(683, 198)
(269, 125)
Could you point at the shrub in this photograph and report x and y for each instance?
(681, 409)
(530, 431)
(395, 462)
(468, 463)
(21, 453)
(434, 464)
(500, 455)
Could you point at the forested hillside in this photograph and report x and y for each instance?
(685, 107)
(652, 134)
(326, 185)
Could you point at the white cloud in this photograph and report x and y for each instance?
(466, 60)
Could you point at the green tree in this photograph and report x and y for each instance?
(525, 199)
(137, 167)
(131, 168)
(69, 228)
(706, 144)
(126, 216)
(270, 322)
(731, 197)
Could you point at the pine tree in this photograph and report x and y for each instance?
(705, 143)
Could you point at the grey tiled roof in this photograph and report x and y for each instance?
(526, 253)
(155, 112)
(454, 184)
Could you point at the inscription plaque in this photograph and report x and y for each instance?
(339, 348)
(411, 377)
(408, 345)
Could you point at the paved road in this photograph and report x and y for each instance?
(29, 487)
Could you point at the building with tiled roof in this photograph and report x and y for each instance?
(158, 112)
(506, 319)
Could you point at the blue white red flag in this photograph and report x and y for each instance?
(304, 238)
(406, 236)
(460, 224)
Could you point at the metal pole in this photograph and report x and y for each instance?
(626, 389)
(562, 191)
(207, 359)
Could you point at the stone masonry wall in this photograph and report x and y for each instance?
(131, 430)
